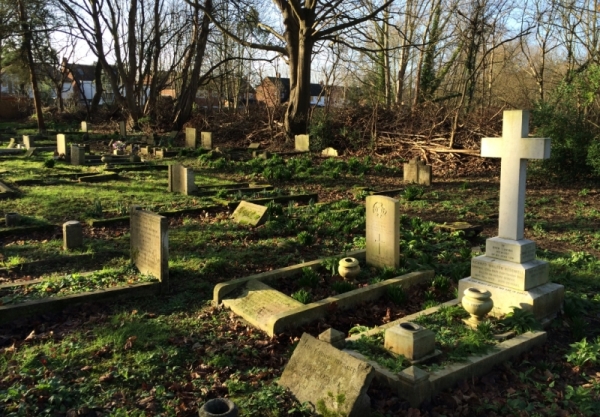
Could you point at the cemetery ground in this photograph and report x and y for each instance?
(168, 353)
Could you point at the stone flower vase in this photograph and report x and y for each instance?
(218, 407)
(349, 268)
(478, 304)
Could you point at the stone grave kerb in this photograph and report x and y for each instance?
(514, 148)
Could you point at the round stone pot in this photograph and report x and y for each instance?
(477, 303)
(349, 268)
(218, 407)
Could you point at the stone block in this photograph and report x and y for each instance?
(318, 372)
(254, 146)
(28, 141)
(518, 251)
(544, 301)
(417, 172)
(334, 337)
(72, 235)
(410, 340)
(523, 276)
(249, 214)
(329, 152)
(77, 154)
(84, 126)
(383, 231)
(12, 219)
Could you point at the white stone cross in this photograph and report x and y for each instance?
(514, 148)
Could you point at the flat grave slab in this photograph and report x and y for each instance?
(249, 214)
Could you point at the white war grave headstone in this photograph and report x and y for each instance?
(383, 231)
(150, 243)
(181, 179)
(84, 126)
(190, 137)
(509, 269)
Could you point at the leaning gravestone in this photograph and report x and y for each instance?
(383, 231)
(181, 179)
(416, 172)
(302, 143)
(328, 379)
(12, 144)
(190, 137)
(61, 145)
(77, 154)
(509, 269)
(206, 140)
(249, 214)
(28, 141)
(150, 243)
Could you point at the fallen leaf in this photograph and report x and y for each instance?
(106, 377)
(129, 342)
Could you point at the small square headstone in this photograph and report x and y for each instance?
(206, 140)
(383, 231)
(150, 243)
(72, 235)
(77, 154)
(249, 214)
(181, 179)
(302, 143)
(318, 372)
(190, 137)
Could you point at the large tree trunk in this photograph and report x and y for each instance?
(27, 46)
(99, 88)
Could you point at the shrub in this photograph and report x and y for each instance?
(49, 163)
(303, 296)
(305, 238)
(396, 295)
(309, 278)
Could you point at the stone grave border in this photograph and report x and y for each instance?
(6, 191)
(417, 385)
(26, 229)
(61, 260)
(314, 311)
(41, 306)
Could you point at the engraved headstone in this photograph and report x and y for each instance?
(72, 235)
(150, 243)
(416, 172)
(181, 179)
(249, 214)
(77, 154)
(383, 231)
(61, 144)
(509, 269)
(28, 141)
(206, 140)
(190, 137)
(302, 143)
(84, 126)
(122, 129)
(319, 373)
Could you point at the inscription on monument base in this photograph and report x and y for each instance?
(518, 251)
(509, 274)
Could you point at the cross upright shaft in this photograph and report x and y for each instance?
(514, 148)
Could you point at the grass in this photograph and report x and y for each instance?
(167, 354)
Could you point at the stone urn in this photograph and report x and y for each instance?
(349, 268)
(218, 407)
(478, 304)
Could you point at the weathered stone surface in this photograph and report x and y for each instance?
(467, 228)
(190, 137)
(383, 231)
(123, 129)
(523, 276)
(12, 219)
(519, 251)
(11, 144)
(181, 179)
(206, 140)
(254, 146)
(150, 243)
(302, 143)
(61, 144)
(77, 154)
(417, 172)
(410, 340)
(257, 302)
(334, 337)
(329, 152)
(28, 141)
(249, 214)
(319, 373)
(72, 235)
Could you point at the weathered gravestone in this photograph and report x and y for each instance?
(190, 137)
(72, 235)
(254, 146)
(509, 269)
(84, 126)
(302, 143)
(416, 172)
(61, 145)
(77, 154)
(329, 152)
(249, 214)
(318, 373)
(181, 179)
(28, 141)
(206, 140)
(123, 129)
(150, 243)
(383, 231)
(12, 144)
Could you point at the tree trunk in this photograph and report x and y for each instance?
(99, 88)
(27, 46)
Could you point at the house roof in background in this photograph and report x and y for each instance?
(315, 89)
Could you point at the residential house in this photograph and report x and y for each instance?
(79, 83)
(273, 91)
